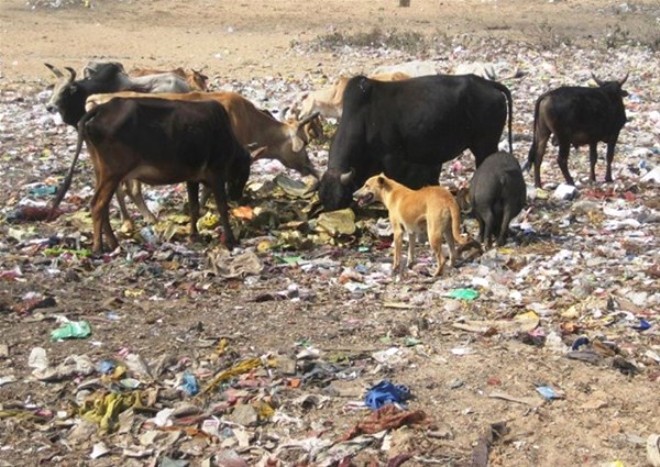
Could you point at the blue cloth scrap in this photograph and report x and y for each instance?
(386, 392)
(189, 384)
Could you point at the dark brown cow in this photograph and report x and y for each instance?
(159, 141)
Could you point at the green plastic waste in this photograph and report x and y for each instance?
(464, 294)
(71, 330)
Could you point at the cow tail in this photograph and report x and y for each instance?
(532, 150)
(509, 104)
(67, 181)
(509, 99)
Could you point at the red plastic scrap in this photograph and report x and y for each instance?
(32, 304)
(386, 418)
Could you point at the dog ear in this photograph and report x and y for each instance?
(381, 181)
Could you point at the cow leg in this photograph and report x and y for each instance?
(562, 159)
(593, 158)
(193, 202)
(135, 193)
(105, 188)
(126, 221)
(541, 143)
(610, 158)
(206, 194)
(221, 202)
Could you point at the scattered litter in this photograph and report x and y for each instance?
(548, 393)
(490, 436)
(463, 294)
(386, 392)
(72, 330)
(189, 362)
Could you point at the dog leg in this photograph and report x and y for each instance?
(412, 239)
(436, 247)
(451, 245)
(398, 244)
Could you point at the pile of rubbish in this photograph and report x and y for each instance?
(300, 347)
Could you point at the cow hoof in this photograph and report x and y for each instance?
(127, 227)
(230, 243)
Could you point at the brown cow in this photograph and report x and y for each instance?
(328, 102)
(284, 141)
(195, 79)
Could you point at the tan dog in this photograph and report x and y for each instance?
(412, 210)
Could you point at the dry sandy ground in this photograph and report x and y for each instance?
(253, 37)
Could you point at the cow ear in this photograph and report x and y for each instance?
(624, 93)
(297, 144)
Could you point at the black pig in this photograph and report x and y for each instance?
(497, 194)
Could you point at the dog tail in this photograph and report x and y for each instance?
(456, 224)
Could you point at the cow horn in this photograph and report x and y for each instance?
(490, 73)
(313, 187)
(625, 78)
(282, 113)
(598, 82)
(308, 119)
(72, 73)
(258, 153)
(55, 71)
(347, 177)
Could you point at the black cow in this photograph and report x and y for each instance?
(407, 129)
(69, 95)
(158, 142)
(578, 116)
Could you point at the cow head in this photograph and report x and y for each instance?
(294, 151)
(96, 68)
(65, 92)
(69, 95)
(197, 80)
(336, 189)
(615, 87)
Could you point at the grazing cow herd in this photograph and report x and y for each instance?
(394, 134)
